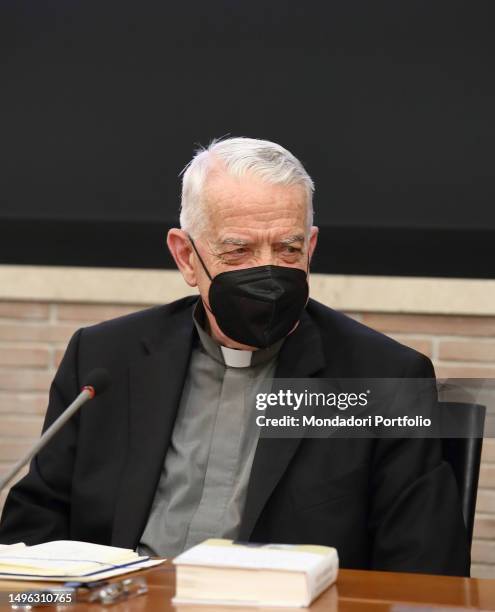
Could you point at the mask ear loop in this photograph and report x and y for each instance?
(307, 279)
(204, 268)
(199, 256)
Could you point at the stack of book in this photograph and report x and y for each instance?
(64, 560)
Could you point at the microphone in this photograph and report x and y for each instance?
(96, 382)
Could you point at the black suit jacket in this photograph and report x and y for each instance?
(387, 504)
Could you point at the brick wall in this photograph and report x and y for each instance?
(33, 337)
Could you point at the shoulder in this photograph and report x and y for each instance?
(125, 337)
(362, 349)
(142, 321)
(117, 343)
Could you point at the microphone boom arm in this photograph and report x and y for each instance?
(86, 394)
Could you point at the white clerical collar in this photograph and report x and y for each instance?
(236, 358)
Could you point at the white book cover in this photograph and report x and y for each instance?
(319, 563)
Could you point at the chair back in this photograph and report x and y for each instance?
(464, 454)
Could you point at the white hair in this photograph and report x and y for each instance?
(267, 160)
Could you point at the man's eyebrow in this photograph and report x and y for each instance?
(236, 241)
(242, 242)
(291, 239)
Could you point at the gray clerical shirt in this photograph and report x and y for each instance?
(203, 484)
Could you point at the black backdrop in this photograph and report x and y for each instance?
(389, 104)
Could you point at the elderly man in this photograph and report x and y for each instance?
(169, 455)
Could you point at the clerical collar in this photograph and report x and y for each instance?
(234, 358)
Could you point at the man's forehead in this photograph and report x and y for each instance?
(249, 210)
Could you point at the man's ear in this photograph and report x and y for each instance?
(181, 250)
(313, 239)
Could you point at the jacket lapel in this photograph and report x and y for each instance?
(301, 356)
(156, 381)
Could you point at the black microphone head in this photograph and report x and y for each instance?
(98, 380)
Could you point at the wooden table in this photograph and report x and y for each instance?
(355, 591)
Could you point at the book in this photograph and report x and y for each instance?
(222, 572)
(63, 560)
(11, 547)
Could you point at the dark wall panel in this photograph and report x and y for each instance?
(389, 105)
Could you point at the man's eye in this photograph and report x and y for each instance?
(235, 253)
(291, 249)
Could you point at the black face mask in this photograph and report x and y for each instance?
(257, 306)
